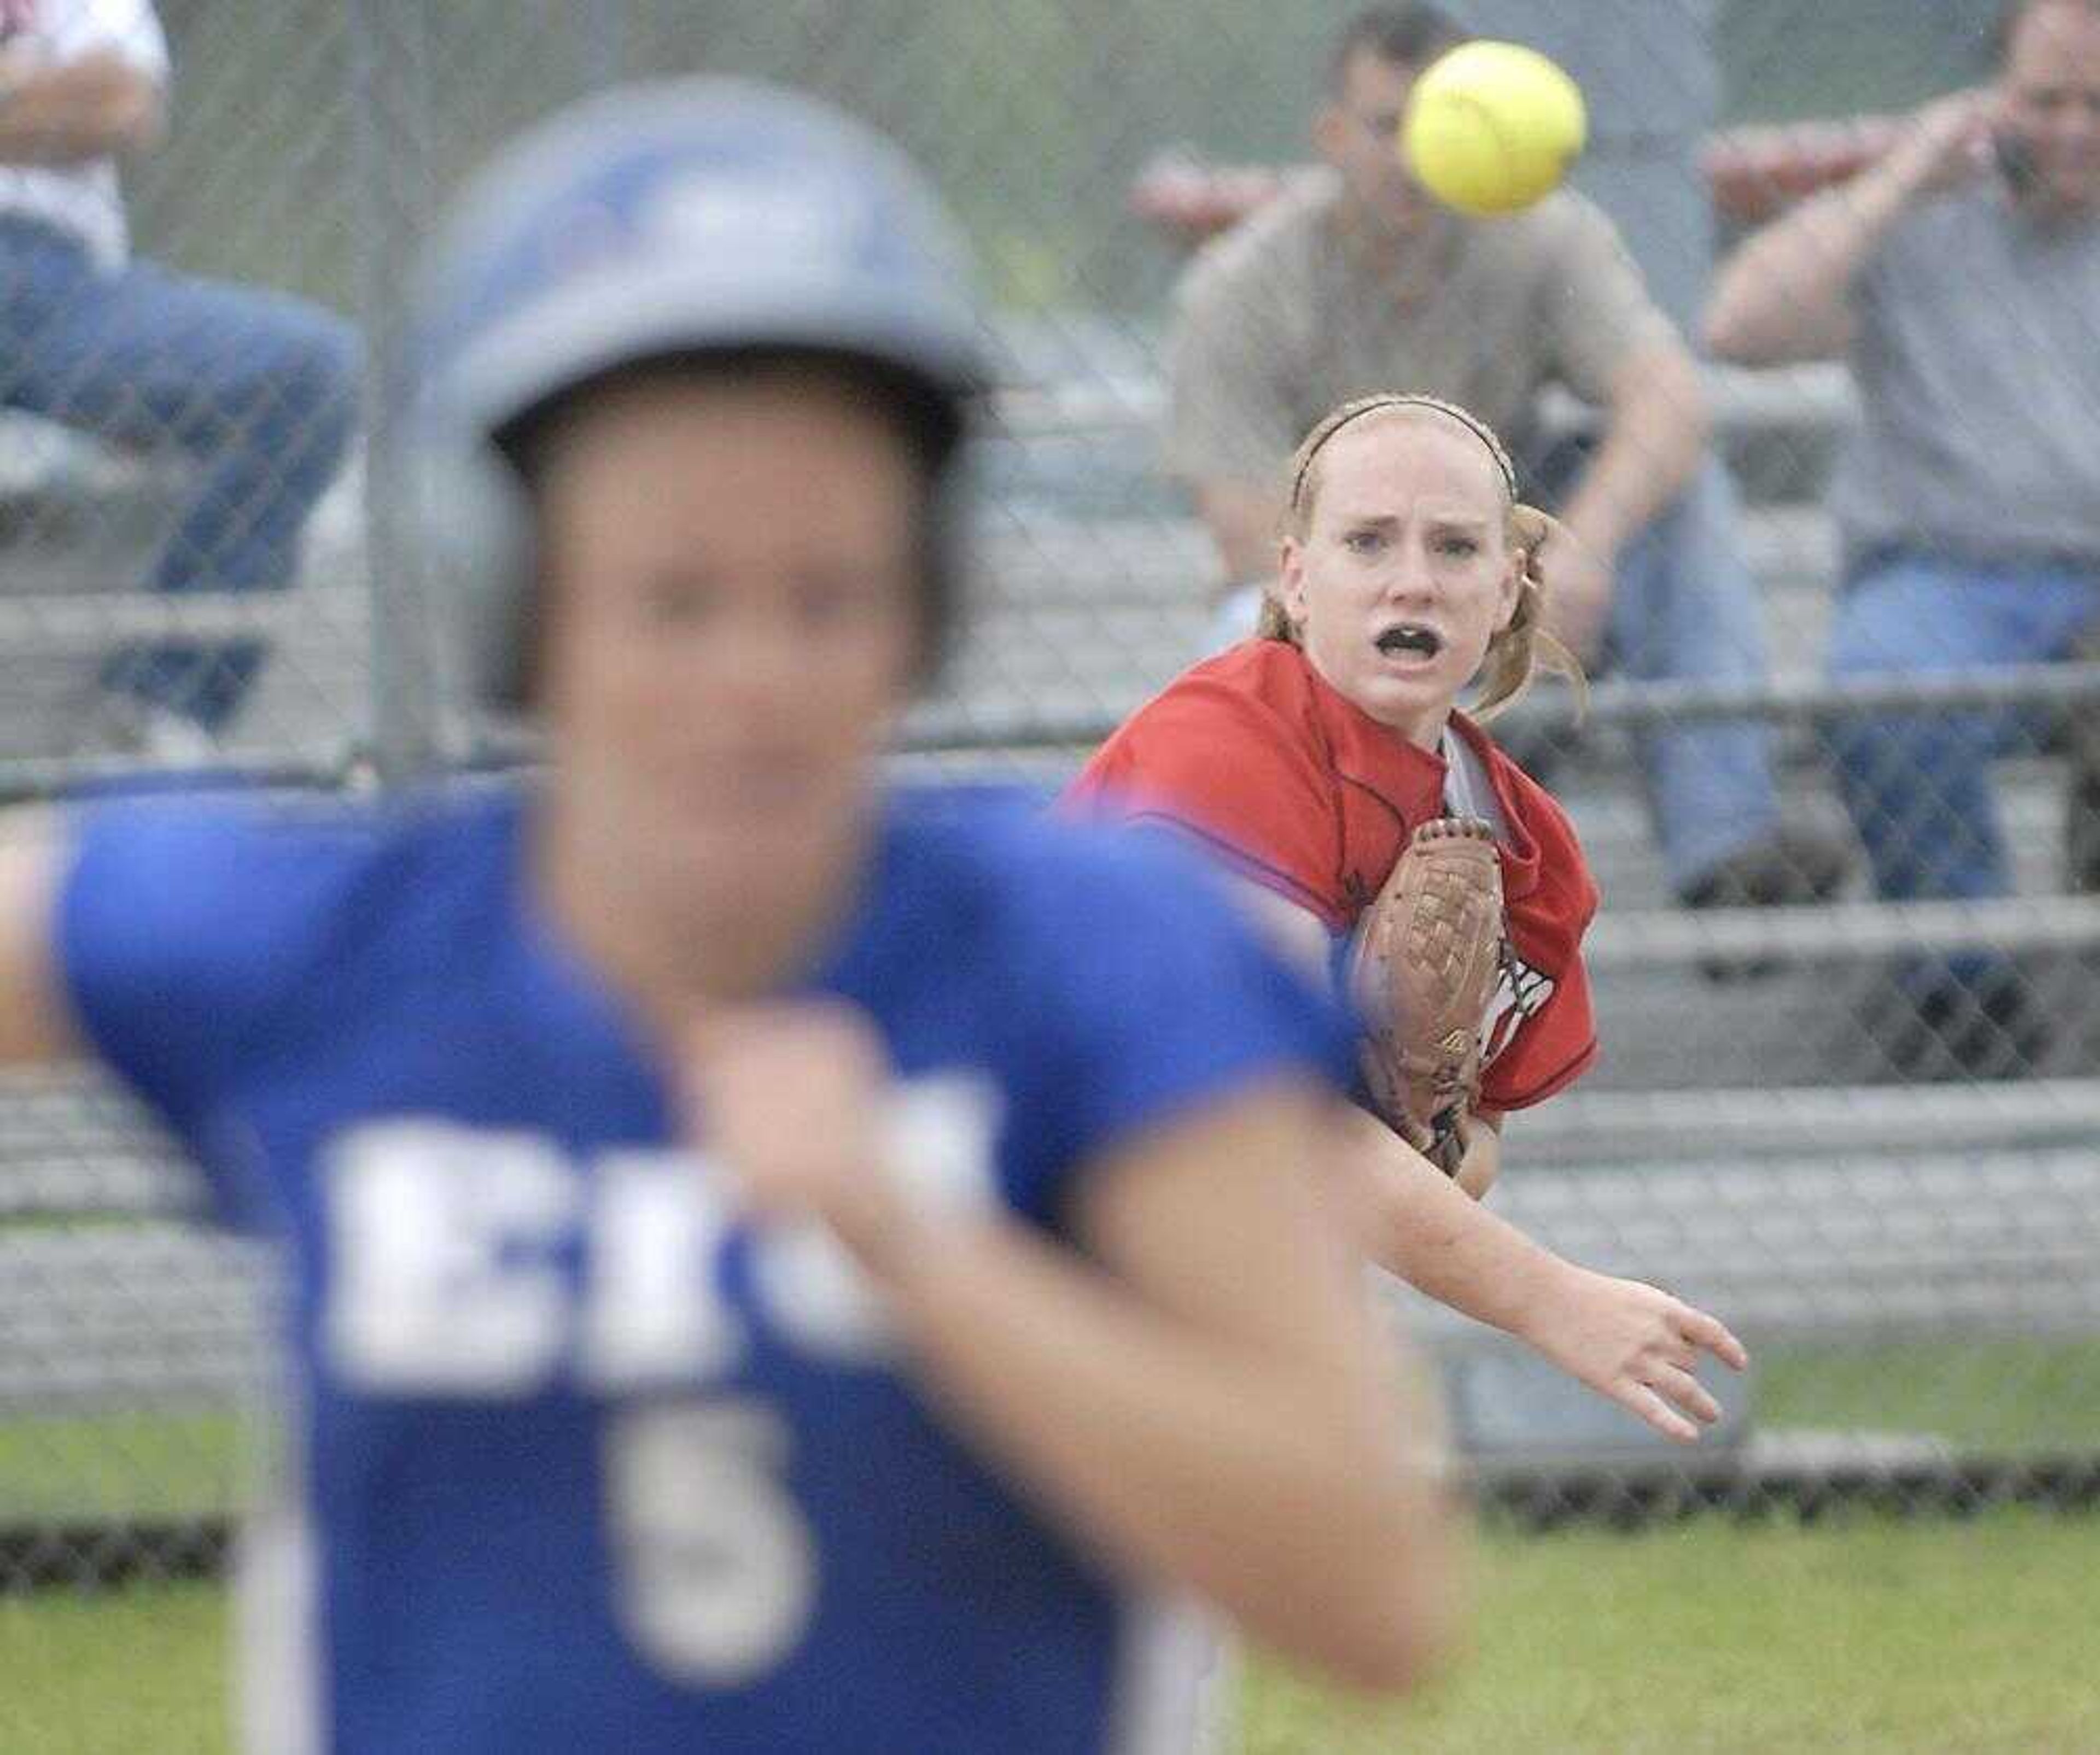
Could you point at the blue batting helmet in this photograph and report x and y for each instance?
(687, 218)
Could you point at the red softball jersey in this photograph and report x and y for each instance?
(1258, 758)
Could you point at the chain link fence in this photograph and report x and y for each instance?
(1905, 1226)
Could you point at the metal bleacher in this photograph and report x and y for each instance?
(1738, 1143)
(79, 524)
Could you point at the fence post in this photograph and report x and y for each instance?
(392, 115)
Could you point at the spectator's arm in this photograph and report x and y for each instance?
(1654, 428)
(1787, 292)
(100, 104)
(1607, 342)
(1655, 424)
(1241, 517)
(1230, 421)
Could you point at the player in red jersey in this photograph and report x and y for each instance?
(1305, 759)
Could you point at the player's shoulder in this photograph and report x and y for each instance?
(1113, 932)
(284, 860)
(260, 919)
(451, 844)
(1254, 681)
(1109, 977)
(1254, 698)
(242, 828)
(1274, 671)
(1002, 865)
(1000, 843)
(348, 831)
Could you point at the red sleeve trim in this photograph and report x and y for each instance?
(1552, 1087)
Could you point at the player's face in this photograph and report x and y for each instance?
(731, 572)
(2050, 90)
(1405, 572)
(1359, 134)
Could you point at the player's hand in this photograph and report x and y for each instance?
(1638, 1346)
(789, 1099)
(1576, 580)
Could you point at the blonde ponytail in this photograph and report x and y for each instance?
(1523, 648)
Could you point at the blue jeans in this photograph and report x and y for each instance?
(259, 389)
(1684, 609)
(1918, 785)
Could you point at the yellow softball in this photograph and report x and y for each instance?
(1491, 127)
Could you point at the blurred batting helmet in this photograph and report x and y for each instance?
(683, 219)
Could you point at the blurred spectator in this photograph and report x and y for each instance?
(258, 389)
(1961, 276)
(1353, 281)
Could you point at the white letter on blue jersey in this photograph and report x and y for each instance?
(652, 1311)
(443, 1277)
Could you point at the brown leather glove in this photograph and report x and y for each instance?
(1428, 957)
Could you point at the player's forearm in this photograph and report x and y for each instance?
(97, 106)
(1282, 1495)
(1422, 1228)
(1786, 294)
(1655, 436)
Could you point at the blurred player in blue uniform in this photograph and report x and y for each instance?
(777, 1266)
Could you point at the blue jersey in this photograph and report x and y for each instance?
(581, 1463)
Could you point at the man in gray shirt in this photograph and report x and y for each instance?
(1354, 281)
(1960, 277)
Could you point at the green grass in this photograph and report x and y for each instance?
(1863, 1634)
(1868, 1635)
(129, 1465)
(122, 1673)
(2016, 1396)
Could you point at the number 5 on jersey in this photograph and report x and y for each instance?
(715, 1568)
